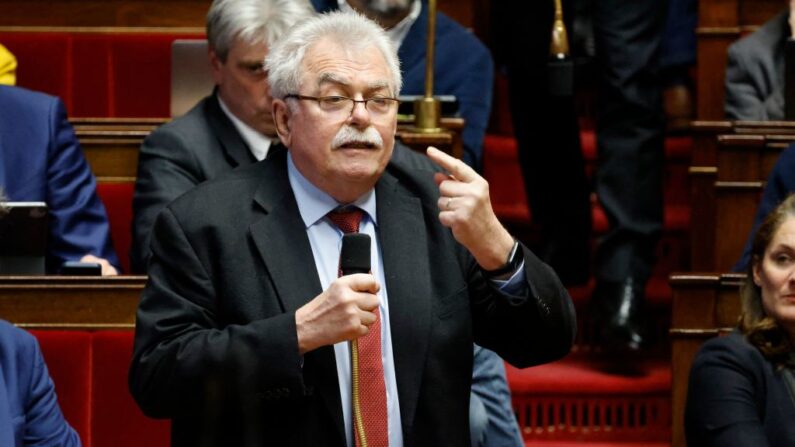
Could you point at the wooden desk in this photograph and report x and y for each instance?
(730, 164)
(704, 305)
(70, 302)
(112, 154)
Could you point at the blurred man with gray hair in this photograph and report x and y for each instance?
(232, 127)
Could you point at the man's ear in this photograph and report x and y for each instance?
(281, 117)
(215, 65)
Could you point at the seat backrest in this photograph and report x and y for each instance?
(117, 198)
(68, 358)
(89, 370)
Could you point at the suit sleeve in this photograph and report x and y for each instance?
(723, 402)
(78, 222)
(535, 328)
(183, 359)
(745, 100)
(166, 170)
(45, 424)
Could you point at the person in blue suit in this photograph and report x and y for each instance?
(41, 160)
(29, 411)
(463, 66)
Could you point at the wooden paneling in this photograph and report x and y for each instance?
(756, 12)
(717, 13)
(731, 162)
(711, 63)
(70, 302)
(704, 305)
(112, 154)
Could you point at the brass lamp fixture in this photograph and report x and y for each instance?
(560, 68)
(559, 45)
(428, 109)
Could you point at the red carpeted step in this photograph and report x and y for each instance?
(579, 399)
(534, 443)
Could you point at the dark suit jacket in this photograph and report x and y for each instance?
(737, 398)
(463, 67)
(29, 412)
(216, 348)
(755, 73)
(177, 156)
(41, 160)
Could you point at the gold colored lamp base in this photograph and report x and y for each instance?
(427, 111)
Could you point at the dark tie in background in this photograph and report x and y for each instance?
(367, 371)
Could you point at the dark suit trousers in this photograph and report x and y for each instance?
(629, 134)
(547, 134)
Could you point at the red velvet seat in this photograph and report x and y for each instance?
(117, 198)
(68, 358)
(89, 370)
(117, 420)
(98, 74)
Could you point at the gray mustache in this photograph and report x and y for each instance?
(348, 135)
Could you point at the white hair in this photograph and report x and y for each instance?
(350, 30)
(253, 21)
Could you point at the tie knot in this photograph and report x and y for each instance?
(347, 219)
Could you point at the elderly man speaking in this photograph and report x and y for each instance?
(247, 334)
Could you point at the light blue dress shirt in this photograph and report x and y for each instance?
(325, 238)
(326, 241)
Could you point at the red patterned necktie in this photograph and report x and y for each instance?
(367, 372)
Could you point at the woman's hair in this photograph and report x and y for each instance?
(762, 330)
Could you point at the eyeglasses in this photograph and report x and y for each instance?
(342, 105)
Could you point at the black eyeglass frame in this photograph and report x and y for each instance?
(320, 100)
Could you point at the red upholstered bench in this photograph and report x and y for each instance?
(109, 74)
(117, 198)
(89, 370)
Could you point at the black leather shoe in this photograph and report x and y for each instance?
(620, 316)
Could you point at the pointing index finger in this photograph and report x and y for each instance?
(454, 166)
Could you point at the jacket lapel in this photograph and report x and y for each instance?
(235, 148)
(280, 237)
(404, 247)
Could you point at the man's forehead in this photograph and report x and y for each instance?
(330, 77)
(329, 62)
(245, 49)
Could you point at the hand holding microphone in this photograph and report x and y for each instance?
(344, 311)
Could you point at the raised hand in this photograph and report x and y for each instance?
(465, 207)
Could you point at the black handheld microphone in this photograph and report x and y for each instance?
(355, 254)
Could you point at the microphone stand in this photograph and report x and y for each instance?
(428, 109)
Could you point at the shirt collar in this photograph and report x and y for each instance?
(398, 32)
(258, 144)
(314, 204)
